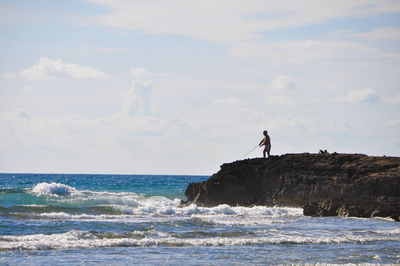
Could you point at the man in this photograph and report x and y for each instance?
(267, 142)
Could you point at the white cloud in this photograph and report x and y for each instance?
(289, 123)
(108, 50)
(231, 100)
(48, 68)
(359, 96)
(280, 100)
(27, 89)
(283, 83)
(280, 84)
(381, 34)
(73, 132)
(137, 100)
(306, 53)
(395, 99)
(9, 75)
(141, 73)
(230, 20)
(392, 123)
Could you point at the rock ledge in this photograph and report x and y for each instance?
(322, 184)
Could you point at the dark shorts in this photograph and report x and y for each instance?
(267, 148)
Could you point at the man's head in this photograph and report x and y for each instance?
(265, 133)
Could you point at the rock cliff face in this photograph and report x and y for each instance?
(323, 184)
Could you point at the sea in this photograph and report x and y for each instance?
(76, 219)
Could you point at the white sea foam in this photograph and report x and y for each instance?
(376, 257)
(394, 231)
(160, 209)
(71, 196)
(83, 239)
(130, 206)
(220, 215)
(53, 189)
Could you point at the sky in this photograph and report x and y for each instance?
(181, 87)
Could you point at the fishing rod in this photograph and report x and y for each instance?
(249, 151)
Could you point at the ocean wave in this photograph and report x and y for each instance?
(153, 210)
(84, 239)
(393, 231)
(53, 189)
(63, 202)
(66, 194)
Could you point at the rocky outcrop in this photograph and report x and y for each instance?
(323, 184)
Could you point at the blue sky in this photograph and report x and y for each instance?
(180, 87)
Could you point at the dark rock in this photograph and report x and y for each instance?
(323, 184)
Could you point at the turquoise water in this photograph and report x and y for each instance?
(125, 219)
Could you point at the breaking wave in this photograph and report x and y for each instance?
(53, 189)
(63, 202)
(84, 239)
